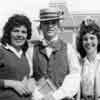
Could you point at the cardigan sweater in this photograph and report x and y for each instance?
(12, 68)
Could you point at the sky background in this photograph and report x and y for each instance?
(31, 8)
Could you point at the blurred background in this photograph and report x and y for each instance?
(74, 12)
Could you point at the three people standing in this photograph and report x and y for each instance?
(53, 59)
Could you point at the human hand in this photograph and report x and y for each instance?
(30, 84)
(48, 97)
(36, 95)
(18, 86)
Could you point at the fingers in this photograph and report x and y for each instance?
(24, 91)
(20, 88)
(21, 91)
(29, 84)
(25, 87)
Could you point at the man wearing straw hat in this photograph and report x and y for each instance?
(54, 59)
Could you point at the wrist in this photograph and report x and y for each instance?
(9, 83)
(1, 83)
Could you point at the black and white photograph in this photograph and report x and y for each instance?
(49, 50)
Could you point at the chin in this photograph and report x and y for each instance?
(51, 35)
(90, 52)
(19, 44)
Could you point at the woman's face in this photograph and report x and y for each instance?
(18, 36)
(90, 43)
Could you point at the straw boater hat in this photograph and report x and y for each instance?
(51, 13)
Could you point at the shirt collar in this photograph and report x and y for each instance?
(45, 42)
(54, 39)
(97, 58)
(17, 53)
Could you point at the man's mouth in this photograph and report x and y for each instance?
(50, 30)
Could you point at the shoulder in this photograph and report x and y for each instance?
(2, 51)
(72, 52)
(70, 47)
(36, 43)
(62, 43)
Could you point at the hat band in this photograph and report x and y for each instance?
(42, 17)
(49, 15)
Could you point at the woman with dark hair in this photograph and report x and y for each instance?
(88, 46)
(14, 66)
(16, 21)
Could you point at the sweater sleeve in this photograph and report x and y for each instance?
(1, 64)
(1, 83)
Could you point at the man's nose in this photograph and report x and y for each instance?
(50, 25)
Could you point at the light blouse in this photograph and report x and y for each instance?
(89, 70)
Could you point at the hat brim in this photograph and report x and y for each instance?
(47, 19)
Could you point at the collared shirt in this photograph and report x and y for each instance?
(49, 49)
(88, 75)
(71, 82)
(17, 53)
(45, 42)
